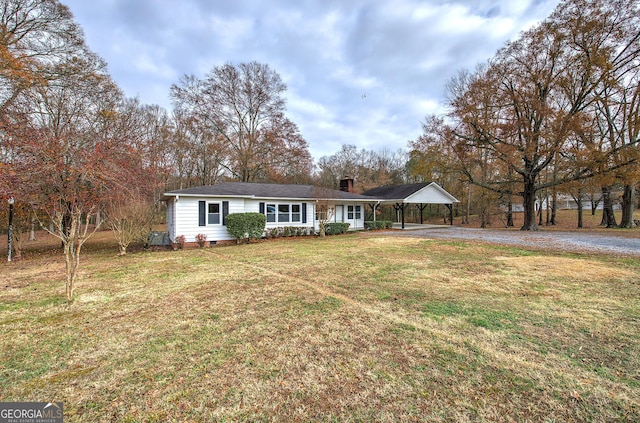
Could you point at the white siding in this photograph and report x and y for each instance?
(187, 218)
(311, 215)
(171, 221)
(250, 206)
(431, 194)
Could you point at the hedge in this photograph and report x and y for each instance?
(246, 225)
(379, 224)
(335, 228)
(288, 231)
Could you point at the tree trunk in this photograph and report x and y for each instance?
(554, 207)
(579, 202)
(547, 208)
(529, 204)
(608, 218)
(594, 204)
(468, 213)
(484, 218)
(32, 233)
(540, 213)
(510, 214)
(70, 254)
(628, 202)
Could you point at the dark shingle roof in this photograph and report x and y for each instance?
(395, 192)
(262, 190)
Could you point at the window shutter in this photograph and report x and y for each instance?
(225, 212)
(304, 212)
(262, 208)
(202, 213)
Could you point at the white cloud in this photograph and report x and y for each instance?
(308, 109)
(458, 19)
(148, 64)
(428, 107)
(228, 33)
(346, 75)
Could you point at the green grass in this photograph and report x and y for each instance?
(350, 328)
(485, 318)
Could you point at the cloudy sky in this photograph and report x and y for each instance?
(362, 72)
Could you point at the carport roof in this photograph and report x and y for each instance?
(396, 192)
(424, 192)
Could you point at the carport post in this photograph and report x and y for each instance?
(421, 207)
(400, 207)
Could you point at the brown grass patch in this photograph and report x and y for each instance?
(565, 267)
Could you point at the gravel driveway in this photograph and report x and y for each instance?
(554, 240)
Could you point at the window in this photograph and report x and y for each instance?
(284, 213)
(295, 212)
(213, 214)
(354, 211)
(271, 212)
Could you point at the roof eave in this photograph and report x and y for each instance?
(179, 194)
(266, 198)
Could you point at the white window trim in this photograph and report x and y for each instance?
(219, 203)
(277, 212)
(353, 211)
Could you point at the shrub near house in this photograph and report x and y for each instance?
(336, 228)
(246, 225)
(378, 225)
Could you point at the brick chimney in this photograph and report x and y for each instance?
(346, 184)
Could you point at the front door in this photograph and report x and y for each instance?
(339, 214)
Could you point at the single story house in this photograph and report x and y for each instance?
(203, 210)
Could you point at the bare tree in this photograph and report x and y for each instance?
(197, 154)
(130, 219)
(68, 162)
(33, 33)
(325, 208)
(241, 108)
(368, 168)
(68, 140)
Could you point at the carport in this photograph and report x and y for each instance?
(420, 195)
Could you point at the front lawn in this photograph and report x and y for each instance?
(362, 327)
